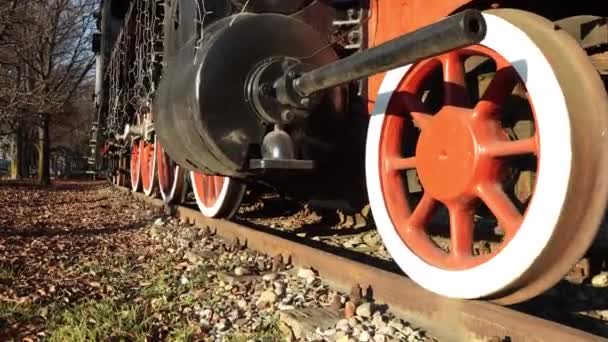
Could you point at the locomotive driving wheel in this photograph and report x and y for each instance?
(511, 171)
(135, 169)
(148, 167)
(148, 161)
(137, 146)
(217, 196)
(171, 177)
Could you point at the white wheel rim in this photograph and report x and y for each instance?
(549, 197)
(214, 210)
(170, 195)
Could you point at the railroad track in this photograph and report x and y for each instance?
(447, 319)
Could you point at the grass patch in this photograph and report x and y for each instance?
(7, 274)
(16, 311)
(160, 286)
(94, 321)
(182, 333)
(272, 333)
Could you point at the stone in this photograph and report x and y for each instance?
(365, 336)
(378, 321)
(267, 298)
(241, 271)
(600, 280)
(372, 240)
(279, 290)
(344, 338)
(157, 232)
(343, 325)
(284, 307)
(339, 334)
(349, 244)
(222, 324)
(329, 332)
(234, 315)
(159, 222)
(306, 273)
(269, 277)
(193, 258)
(396, 325)
(206, 313)
(379, 338)
(183, 243)
(306, 321)
(234, 279)
(241, 303)
(189, 234)
(364, 310)
(387, 331)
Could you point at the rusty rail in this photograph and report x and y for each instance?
(447, 319)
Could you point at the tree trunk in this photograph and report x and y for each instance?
(17, 157)
(44, 157)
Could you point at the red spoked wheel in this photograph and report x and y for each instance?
(135, 165)
(148, 167)
(217, 196)
(171, 177)
(461, 158)
(490, 132)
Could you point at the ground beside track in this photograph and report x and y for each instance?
(575, 302)
(83, 261)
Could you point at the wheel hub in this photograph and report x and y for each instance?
(447, 154)
(452, 160)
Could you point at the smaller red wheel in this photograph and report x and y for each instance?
(135, 170)
(148, 168)
(217, 196)
(171, 177)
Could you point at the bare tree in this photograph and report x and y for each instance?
(44, 58)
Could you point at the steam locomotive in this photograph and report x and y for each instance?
(435, 113)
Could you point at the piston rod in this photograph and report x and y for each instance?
(459, 30)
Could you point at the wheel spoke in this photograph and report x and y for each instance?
(401, 163)
(461, 230)
(455, 91)
(423, 212)
(417, 109)
(496, 94)
(217, 184)
(511, 148)
(509, 218)
(209, 189)
(421, 119)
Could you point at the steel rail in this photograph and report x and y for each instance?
(447, 319)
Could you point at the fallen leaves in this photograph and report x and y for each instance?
(69, 255)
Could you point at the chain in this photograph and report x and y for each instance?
(134, 69)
